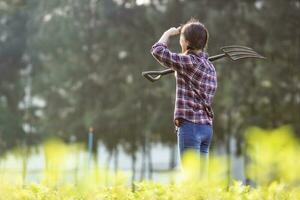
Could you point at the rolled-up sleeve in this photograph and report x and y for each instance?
(178, 62)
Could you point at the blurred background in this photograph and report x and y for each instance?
(66, 66)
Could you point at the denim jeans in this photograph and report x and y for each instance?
(195, 137)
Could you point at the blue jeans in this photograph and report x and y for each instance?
(194, 136)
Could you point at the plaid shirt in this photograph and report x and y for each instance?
(193, 73)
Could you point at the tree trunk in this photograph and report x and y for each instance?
(77, 163)
(228, 147)
(107, 167)
(143, 166)
(116, 164)
(150, 164)
(228, 153)
(24, 164)
(246, 162)
(172, 161)
(133, 170)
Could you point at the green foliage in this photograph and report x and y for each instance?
(272, 154)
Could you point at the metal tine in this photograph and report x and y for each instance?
(241, 54)
(239, 50)
(153, 73)
(234, 58)
(235, 46)
(156, 78)
(247, 54)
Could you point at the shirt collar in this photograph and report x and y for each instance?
(201, 55)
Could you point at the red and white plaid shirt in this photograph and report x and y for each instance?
(193, 72)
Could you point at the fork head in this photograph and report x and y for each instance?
(236, 52)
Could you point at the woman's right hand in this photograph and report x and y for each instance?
(173, 31)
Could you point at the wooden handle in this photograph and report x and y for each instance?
(156, 75)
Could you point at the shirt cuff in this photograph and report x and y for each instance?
(159, 44)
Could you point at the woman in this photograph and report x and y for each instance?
(196, 83)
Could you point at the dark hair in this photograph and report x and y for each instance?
(196, 34)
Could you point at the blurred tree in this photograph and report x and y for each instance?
(12, 47)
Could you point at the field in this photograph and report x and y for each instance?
(273, 170)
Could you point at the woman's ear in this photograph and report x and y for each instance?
(184, 43)
(187, 44)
